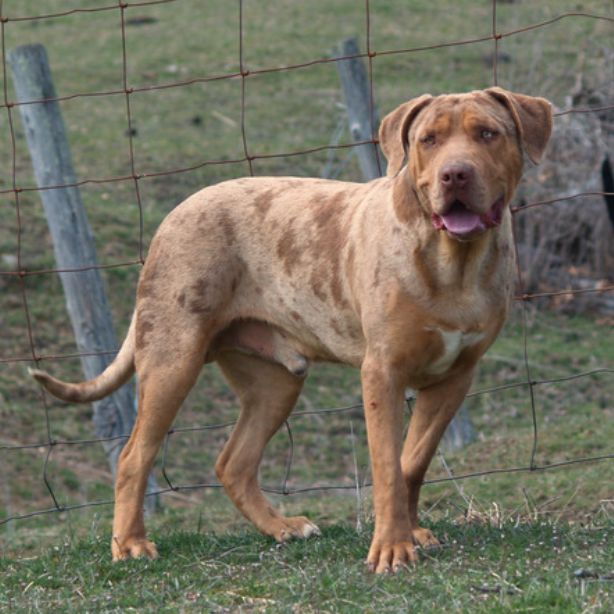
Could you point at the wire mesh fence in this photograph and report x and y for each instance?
(134, 174)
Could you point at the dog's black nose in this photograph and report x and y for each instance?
(456, 175)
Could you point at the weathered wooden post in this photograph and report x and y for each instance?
(460, 431)
(73, 241)
(363, 120)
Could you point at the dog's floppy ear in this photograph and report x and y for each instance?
(533, 119)
(394, 130)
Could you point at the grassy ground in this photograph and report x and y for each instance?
(506, 567)
(510, 544)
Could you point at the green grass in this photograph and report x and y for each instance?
(513, 539)
(481, 568)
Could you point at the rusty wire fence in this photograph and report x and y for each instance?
(13, 193)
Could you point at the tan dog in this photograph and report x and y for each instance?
(408, 278)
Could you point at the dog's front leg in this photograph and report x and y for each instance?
(392, 546)
(434, 409)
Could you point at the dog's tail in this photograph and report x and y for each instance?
(114, 376)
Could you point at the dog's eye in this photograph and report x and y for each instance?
(487, 135)
(428, 139)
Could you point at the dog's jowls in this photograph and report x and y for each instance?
(408, 278)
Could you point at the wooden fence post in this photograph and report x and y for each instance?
(363, 120)
(357, 93)
(73, 242)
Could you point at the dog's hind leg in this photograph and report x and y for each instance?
(165, 381)
(267, 392)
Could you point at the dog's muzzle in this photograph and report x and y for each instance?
(463, 223)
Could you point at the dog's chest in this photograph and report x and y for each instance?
(454, 342)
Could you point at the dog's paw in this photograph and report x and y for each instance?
(424, 538)
(390, 557)
(296, 527)
(133, 548)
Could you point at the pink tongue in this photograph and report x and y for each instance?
(459, 220)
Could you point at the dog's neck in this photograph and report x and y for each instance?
(468, 263)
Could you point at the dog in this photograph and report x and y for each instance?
(408, 277)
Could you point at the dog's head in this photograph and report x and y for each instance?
(465, 153)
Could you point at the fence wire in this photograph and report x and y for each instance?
(135, 176)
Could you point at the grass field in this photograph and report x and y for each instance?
(535, 567)
(536, 541)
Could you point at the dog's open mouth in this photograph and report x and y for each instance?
(463, 223)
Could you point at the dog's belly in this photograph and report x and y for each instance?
(343, 344)
(293, 350)
(318, 331)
